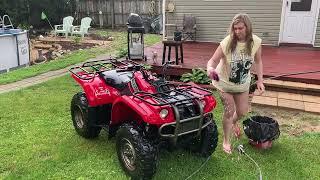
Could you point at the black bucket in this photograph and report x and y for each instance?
(261, 129)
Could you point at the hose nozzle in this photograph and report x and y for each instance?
(241, 149)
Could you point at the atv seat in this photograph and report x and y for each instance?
(118, 79)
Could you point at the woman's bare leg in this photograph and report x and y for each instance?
(242, 105)
(229, 111)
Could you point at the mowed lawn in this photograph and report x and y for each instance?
(38, 141)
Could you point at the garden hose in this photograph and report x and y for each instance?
(240, 148)
(254, 85)
(197, 170)
(296, 73)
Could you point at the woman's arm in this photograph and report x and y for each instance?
(259, 70)
(213, 62)
(215, 59)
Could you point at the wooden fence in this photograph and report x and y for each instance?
(110, 13)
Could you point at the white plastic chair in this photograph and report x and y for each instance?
(83, 28)
(64, 28)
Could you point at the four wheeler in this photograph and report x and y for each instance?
(143, 112)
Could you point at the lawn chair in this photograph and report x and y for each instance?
(189, 27)
(83, 28)
(1, 22)
(64, 28)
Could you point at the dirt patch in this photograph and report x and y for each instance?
(75, 46)
(101, 37)
(291, 122)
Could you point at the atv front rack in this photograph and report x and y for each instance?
(180, 126)
(89, 70)
(173, 90)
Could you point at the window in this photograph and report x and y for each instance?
(301, 5)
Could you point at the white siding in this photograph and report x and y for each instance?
(214, 17)
(317, 39)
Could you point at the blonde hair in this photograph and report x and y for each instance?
(241, 18)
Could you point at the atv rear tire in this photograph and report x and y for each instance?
(208, 142)
(137, 155)
(84, 119)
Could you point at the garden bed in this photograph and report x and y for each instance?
(52, 47)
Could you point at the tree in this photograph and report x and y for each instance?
(28, 12)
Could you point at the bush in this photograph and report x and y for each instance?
(198, 75)
(76, 39)
(122, 53)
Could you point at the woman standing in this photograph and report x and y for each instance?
(229, 67)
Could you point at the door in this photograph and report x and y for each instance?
(299, 21)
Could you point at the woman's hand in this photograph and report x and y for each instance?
(260, 87)
(212, 74)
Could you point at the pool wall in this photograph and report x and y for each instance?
(14, 49)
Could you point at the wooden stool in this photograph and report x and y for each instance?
(171, 43)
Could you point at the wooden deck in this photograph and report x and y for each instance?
(276, 60)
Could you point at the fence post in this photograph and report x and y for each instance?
(112, 14)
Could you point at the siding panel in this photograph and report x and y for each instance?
(317, 39)
(214, 17)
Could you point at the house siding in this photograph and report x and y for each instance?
(214, 17)
(317, 38)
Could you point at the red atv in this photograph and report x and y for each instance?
(143, 112)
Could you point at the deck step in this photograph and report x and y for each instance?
(288, 85)
(304, 102)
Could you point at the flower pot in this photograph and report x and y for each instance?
(264, 145)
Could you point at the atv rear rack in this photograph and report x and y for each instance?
(89, 70)
(186, 90)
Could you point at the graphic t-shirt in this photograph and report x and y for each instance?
(234, 73)
(240, 65)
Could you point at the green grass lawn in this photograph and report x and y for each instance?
(37, 141)
(115, 48)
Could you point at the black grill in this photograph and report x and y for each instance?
(134, 20)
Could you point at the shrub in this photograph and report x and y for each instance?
(76, 39)
(122, 53)
(198, 75)
(147, 66)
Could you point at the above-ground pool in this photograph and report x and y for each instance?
(14, 49)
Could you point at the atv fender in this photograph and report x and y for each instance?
(97, 92)
(127, 109)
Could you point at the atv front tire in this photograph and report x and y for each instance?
(84, 118)
(208, 142)
(137, 155)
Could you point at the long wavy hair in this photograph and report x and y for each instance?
(238, 18)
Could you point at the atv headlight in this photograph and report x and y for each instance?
(164, 113)
(203, 103)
